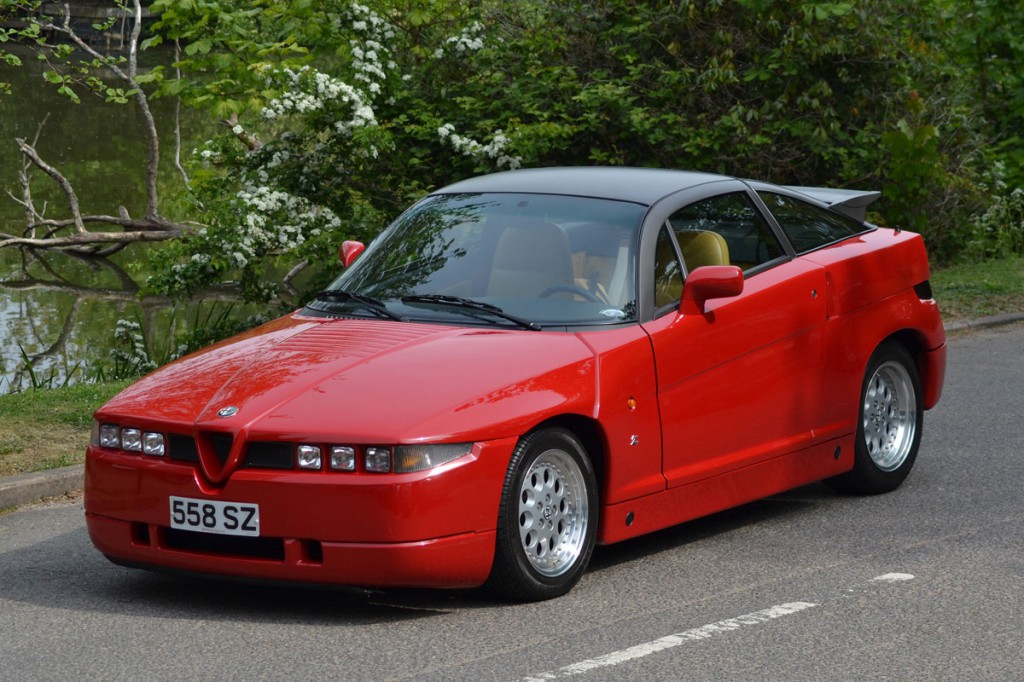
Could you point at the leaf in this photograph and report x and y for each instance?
(69, 93)
(198, 47)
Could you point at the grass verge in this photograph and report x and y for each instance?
(970, 291)
(48, 428)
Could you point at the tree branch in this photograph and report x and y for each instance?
(153, 139)
(89, 238)
(177, 118)
(41, 232)
(69, 192)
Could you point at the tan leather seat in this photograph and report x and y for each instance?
(531, 256)
(703, 248)
(699, 248)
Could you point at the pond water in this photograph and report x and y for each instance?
(58, 312)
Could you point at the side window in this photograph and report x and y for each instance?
(807, 226)
(724, 230)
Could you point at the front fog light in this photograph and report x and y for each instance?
(131, 439)
(378, 460)
(409, 458)
(153, 444)
(309, 457)
(343, 458)
(110, 436)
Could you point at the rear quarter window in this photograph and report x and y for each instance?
(807, 226)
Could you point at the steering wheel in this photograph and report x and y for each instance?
(571, 289)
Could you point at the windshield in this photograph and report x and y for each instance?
(543, 259)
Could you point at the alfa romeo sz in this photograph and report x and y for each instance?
(524, 365)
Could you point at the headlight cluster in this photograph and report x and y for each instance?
(374, 459)
(402, 459)
(129, 439)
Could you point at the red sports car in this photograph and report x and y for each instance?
(526, 364)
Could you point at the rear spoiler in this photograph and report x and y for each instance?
(851, 202)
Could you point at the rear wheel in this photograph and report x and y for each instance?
(889, 428)
(547, 520)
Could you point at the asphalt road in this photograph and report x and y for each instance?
(926, 583)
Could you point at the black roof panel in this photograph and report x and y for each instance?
(639, 185)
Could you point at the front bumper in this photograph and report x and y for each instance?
(433, 528)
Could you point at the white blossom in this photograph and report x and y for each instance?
(495, 149)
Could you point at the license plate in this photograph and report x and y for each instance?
(211, 516)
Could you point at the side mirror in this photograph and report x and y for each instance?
(707, 283)
(349, 251)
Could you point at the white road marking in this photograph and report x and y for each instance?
(892, 578)
(670, 641)
(703, 632)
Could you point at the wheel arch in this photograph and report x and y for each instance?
(931, 362)
(590, 435)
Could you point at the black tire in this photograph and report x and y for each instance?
(889, 424)
(547, 519)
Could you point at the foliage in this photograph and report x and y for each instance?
(340, 114)
(986, 39)
(998, 232)
(49, 379)
(29, 22)
(134, 354)
(337, 114)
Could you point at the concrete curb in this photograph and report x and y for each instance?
(25, 488)
(986, 322)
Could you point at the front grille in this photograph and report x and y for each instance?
(224, 545)
(221, 443)
(258, 455)
(182, 448)
(266, 455)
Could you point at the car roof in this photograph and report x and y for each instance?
(639, 185)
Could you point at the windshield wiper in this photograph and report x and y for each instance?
(366, 302)
(470, 304)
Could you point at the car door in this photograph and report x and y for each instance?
(739, 382)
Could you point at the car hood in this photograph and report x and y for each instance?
(367, 381)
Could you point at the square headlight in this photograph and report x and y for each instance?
(153, 444)
(309, 457)
(378, 460)
(131, 439)
(110, 436)
(343, 458)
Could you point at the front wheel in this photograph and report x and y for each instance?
(889, 428)
(547, 519)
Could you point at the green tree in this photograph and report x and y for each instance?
(336, 115)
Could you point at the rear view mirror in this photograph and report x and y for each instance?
(349, 251)
(707, 283)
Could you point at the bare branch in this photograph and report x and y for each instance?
(69, 192)
(177, 119)
(153, 139)
(133, 43)
(42, 232)
(251, 142)
(89, 238)
(123, 220)
(26, 201)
